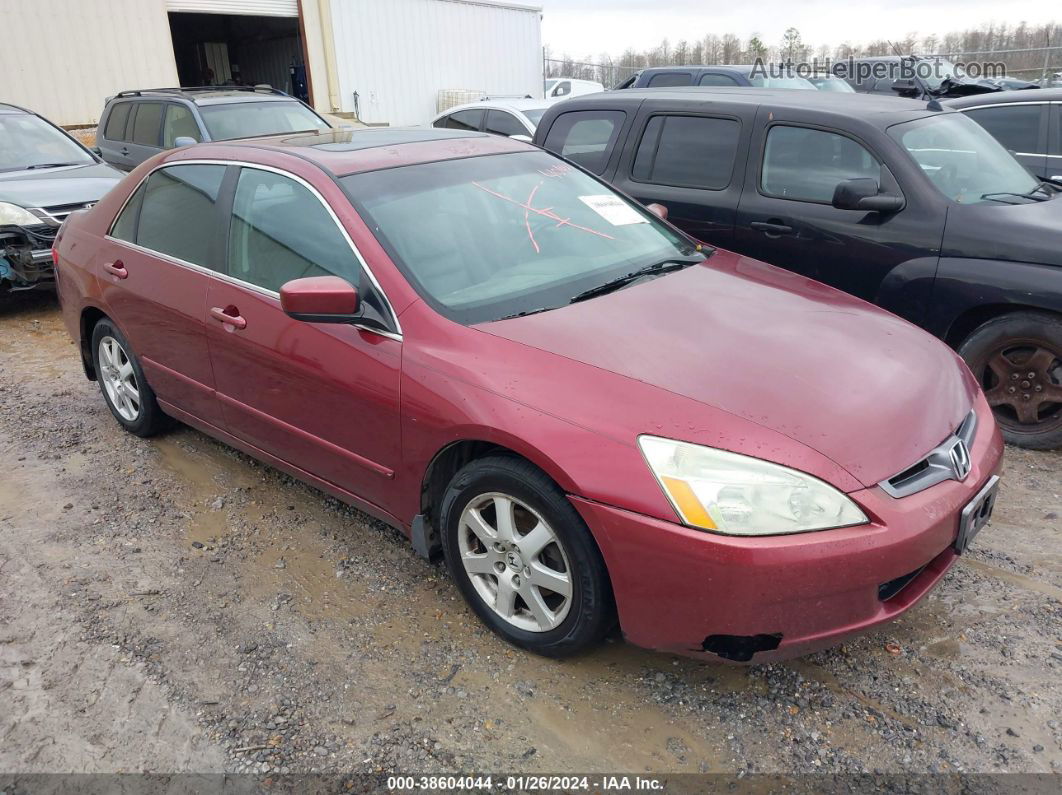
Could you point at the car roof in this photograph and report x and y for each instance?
(516, 104)
(886, 110)
(209, 95)
(14, 109)
(344, 152)
(1006, 97)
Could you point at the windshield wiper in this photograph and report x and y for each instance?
(1044, 186)
(50, 165)
(526, 312)
(664, 266)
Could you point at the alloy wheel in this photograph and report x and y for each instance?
(118, 379)
(1023, 384)
(515, 562)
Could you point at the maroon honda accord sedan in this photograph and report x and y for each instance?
(592, 417)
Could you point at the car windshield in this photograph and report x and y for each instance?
(534, 116)
(961, 159)
(799, 83)
(549, 84)
(250, 119)
(489, 237)
(27, 141)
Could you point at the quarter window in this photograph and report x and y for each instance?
(717, 80)
(693, 151)
(115, 130)
(146, 123)
(1017, 127)
(124, 227)
(281, 231)
(179, 123)
(807, 165)
(586, 137)
(177, 216)
(668, 79)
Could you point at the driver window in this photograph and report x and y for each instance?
(281, 231)
(807, 165)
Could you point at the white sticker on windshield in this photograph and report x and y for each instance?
(614, 210)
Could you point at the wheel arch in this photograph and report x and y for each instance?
(965, 324)
(90, 316)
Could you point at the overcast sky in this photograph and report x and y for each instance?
(589, 27)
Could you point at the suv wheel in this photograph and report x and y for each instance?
(524, 559)
(1017, 359)
(122, 382)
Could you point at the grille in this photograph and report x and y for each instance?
(950, 460)
(56, 214)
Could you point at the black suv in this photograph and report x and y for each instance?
(138, 124)
(1028, 123)
(912, 206)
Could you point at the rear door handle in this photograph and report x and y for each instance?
(230, 316)
(124, 150)
(116, 269)
(771, 228)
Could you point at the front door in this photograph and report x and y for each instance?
(155, 281)
(786, 216)
(321, 397)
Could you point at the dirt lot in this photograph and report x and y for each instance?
(169, 605)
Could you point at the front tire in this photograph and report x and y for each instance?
(1017, 360)
(122, 382)
(523, 558)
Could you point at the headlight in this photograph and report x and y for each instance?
(737, 495)
(13, 215)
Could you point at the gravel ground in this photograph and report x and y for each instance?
(172, 605)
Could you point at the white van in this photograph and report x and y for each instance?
(564, 87)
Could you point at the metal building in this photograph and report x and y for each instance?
(386, 60)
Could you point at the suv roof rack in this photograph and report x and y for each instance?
(262, 88)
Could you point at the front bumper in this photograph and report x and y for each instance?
(770, 598)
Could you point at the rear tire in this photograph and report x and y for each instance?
(523, 558)
(122, 382)
(1017, 360)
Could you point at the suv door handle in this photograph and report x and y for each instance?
(116, 269)
(230, 316)
(771, 228)
(124, 150)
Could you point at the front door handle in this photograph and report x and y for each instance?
(771, 228)
(116, 269)
(230, 316)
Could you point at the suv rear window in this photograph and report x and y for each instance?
(586, 137)
(691, 151)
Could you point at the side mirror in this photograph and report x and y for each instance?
(184, 140)
(659, 210)
(320, 299)
(520, 137)
(862, 194)
(905, 87)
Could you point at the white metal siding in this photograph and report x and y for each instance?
(63, 59)
(262, 8)
(399, 54)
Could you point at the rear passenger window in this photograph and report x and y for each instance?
(146, 123)
(666, 79)
(281, 231)
(464, 120)
(717, 80)
(586, 137)
(115, 129)
(807, 165)
(180, 123)
(177, 217)
(1017, 127)
(690, 151)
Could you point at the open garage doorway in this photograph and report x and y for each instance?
(239, 49)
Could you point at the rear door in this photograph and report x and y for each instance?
(154, 278)
(322, 397)
(692, 163)
(786, 216)
(145, 136)
(1022, 127)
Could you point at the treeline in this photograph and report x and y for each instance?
(986, 43)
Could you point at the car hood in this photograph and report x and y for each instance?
(58, 186)
(1013, 232)
(858, 385)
